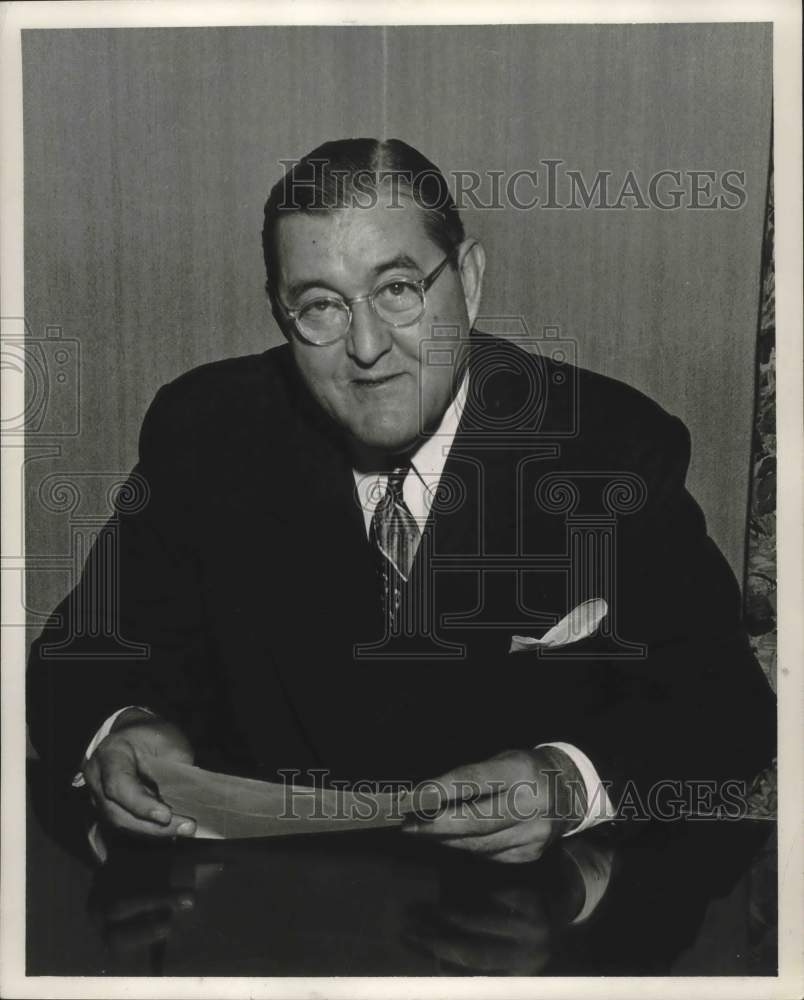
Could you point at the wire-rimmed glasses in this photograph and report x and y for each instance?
(399, 302)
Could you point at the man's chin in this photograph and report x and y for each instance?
(382, 439)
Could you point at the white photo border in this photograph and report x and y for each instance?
(785, 15)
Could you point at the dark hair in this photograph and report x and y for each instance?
(348, 172)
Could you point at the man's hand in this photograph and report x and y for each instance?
(509, 808)
(118, 780)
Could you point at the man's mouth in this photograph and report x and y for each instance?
(376, 381)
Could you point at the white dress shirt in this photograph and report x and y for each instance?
(419, 490)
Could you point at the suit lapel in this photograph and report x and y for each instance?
(300, 520)
(485, 497)
(499, 440)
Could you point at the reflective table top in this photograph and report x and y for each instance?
(694, 898)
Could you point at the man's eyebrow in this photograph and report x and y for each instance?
(297, 288)
(401, 261)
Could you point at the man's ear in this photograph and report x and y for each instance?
(472, 266)
(276, 311)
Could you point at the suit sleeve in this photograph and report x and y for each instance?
(697, 706)
(131, 631)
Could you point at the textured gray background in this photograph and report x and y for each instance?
(149, 154)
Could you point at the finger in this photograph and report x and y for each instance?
(486, 778)
(179, 826)
(121, 783)
(476, 819)
(520, 835)
(462, 819)
(138, 906)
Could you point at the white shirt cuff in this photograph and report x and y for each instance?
(598, 805)
(101, 734)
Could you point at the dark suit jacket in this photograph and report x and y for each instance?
(248, 577)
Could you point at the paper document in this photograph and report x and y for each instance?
(228, 807)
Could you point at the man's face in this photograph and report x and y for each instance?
(376, 383)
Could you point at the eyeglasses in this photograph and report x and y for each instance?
(399, 302)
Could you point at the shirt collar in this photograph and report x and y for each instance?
(430, 458)
(428, 461)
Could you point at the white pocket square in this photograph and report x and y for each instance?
(578, 624)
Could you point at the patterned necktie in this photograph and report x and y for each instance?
(395, 534)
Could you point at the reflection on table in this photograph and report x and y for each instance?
(694, 898)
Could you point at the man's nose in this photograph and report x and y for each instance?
(368, 338)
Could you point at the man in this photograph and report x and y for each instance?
(342, 535)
